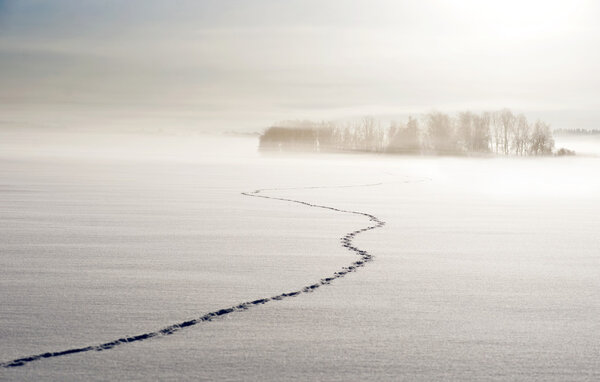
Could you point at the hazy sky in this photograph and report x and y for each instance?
(244, 64)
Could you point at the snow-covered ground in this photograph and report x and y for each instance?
(486, 269)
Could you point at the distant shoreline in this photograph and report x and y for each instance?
(499, 133)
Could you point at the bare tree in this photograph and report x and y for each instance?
(481, 133)
(520, 138)
(508, 122)
(404, 138)
(326, 135)
(440, 133)
(542, 142)
(496, 133)
(370, 135)
(465, 131)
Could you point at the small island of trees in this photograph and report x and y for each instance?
(435, 133)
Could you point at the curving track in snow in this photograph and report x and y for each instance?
(346, 242)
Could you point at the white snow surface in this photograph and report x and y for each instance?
(486, 269)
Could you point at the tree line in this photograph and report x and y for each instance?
(500, 132)
(576, 132)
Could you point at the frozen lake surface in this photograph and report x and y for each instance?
(486, 269)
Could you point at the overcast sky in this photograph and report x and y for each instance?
(243, 64)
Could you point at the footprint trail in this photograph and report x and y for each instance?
(346, 242)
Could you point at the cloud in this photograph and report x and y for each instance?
(259, 59)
